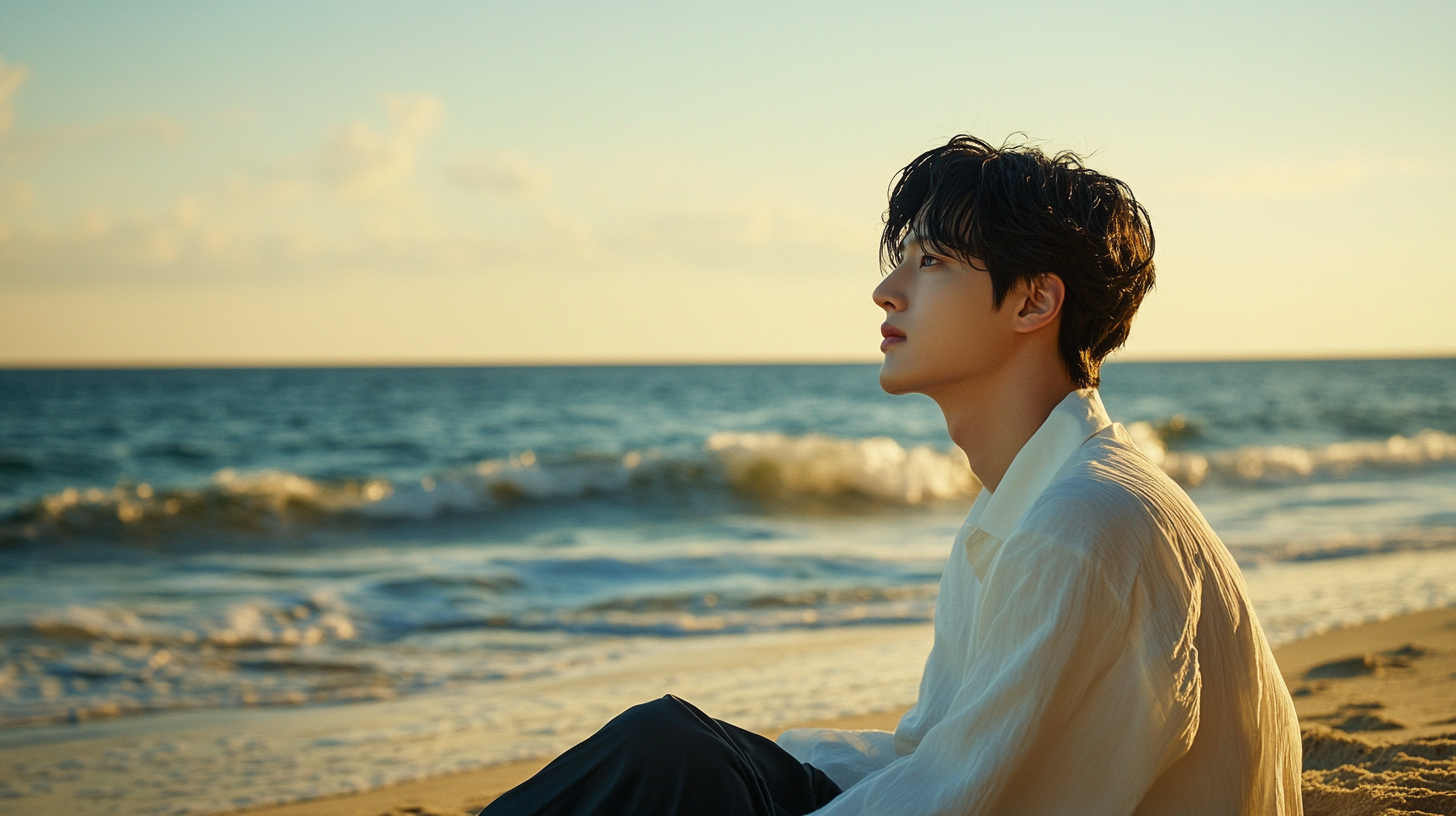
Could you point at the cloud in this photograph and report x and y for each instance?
(29, 144)
(1287, 181)
(186, 242)
(503, 173)
(150, 130)
(245, 232)
(318, 216)
(95, 241)
(359, 162)
(11, 78)
(350, 204)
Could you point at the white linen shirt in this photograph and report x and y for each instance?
(1095, 653)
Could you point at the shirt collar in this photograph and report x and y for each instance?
(1076, 418)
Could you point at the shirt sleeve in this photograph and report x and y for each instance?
(846, 756)
(1049, 628)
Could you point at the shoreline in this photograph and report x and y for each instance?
(1356, 689)
(217, 761)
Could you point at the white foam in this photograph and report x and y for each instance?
(1275, 463)
(111, 623)
(828, 467)
(258, 623)
(1296, 599)
(765, 465)
(203, 763)
(223, 760)
(243, 624)
(812, 467)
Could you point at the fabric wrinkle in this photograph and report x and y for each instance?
(1094, 652)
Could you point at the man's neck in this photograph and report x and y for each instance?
(992, 418)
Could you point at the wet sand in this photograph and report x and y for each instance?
(1377, 703)
(217, 760)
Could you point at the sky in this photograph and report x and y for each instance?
(492, 182)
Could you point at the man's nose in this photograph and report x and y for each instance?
(888, 294)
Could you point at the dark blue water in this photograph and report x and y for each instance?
(178, 538)
(177, 428)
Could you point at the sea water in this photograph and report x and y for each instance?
(300, 540)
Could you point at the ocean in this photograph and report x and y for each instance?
(271, 543)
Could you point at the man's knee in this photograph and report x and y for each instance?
(665, 724)
(663, 715)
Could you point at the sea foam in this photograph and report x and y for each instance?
(827, 467)
(847, 474)
(1279, 463)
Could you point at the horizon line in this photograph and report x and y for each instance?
(305, 363)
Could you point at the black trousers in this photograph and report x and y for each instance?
(666, 758)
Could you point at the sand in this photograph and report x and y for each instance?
(464, 794)
(1378, 707)
(1377, 703)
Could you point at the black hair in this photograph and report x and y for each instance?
(1022, 214)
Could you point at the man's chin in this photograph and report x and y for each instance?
(894, 382)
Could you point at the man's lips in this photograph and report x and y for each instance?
(892, 334)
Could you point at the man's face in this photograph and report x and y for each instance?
(940, 327)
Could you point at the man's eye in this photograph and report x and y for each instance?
(928, 260)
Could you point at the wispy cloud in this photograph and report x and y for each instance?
(159, 130)
(283, 231)
(11, 78)
(502, 173)
(30, 144)
(194, 240)
(359, 161)
(353, 203)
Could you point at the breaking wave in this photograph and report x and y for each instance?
(1284, 463)
(246, 624)
(107, 661)
(813, 470)
(827, 467)
(764, 467)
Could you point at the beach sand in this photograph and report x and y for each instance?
(1378, 707)
(1377, 703)
(464, 794)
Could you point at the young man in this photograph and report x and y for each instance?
(1095, 651)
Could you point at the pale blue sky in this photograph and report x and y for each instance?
(548, 181)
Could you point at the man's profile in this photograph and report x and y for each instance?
(1095, 650)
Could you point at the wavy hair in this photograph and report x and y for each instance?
(1021, 214)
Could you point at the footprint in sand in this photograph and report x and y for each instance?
(1355, 717)
(1370, 663)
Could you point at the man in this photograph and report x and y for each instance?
(1095, 651)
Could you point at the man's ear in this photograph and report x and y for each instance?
(1041, 300)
